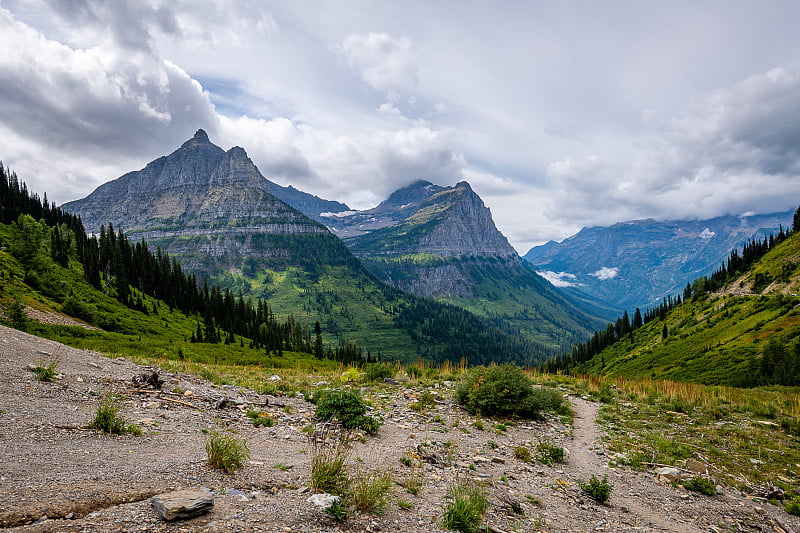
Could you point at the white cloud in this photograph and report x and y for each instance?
(559, 279)
(606, 273)
(384, 62)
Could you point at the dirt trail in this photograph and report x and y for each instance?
(638, 503)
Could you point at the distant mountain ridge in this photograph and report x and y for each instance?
(636, 263)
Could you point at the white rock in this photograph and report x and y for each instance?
(323, 501)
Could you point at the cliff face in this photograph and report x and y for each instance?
(424, 218)
(207, 205)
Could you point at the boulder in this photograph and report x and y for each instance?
(668, 474)
(183, 504)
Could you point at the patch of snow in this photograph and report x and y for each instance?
(340, 214)
(706, 234)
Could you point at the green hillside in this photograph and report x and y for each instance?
(746, 333)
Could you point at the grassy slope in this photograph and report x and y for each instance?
(715, 338)
(162, 336)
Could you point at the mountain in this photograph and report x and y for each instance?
(214, 211)
(211, 207)
(743, 332)
(635, 264)
(312, 206)
(442, 242)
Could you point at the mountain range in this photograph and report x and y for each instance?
(215, 212)
(637, 263)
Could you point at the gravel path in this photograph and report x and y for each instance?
(56, 476)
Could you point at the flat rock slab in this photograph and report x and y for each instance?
(183, 504)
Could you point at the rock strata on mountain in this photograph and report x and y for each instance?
(426, 219)
(210, 206)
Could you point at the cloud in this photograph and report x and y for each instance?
(606, 273)
(131, 24)
(731, 150)
(359, 170)
(93, 104)
(384, 62)
(559, 279)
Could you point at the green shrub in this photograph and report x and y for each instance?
(599, 491)
(108, 420)
(337, 510)
(466, 505)
(793, 506)
(548, 454)
(506, 391)
(347, 407)
(702, 485)
(225, 452)
(523, 453)
(74, 306)
(260, 418)
(46, 372)
(17, 315)
(378, 371)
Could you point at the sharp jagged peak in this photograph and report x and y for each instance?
(200, 137)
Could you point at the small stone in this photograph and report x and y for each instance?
(183, 504)
(93, 365)
(323, 501)
(275, 377)
(188, 393)
(759, 510)
(668, 474)
(498, 460)
(147, 422)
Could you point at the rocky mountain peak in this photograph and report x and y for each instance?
(200, 137)
(197, 193)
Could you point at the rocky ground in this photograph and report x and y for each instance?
(57, 476)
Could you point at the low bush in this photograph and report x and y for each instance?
(702, 485)
(523, 453)
(378, 371)
(466, 504)
(345, 406)
(225, 452)
(793, 506)
(599, 491)
(46, 371)
(506, 391)
(260, 419)
(548, 454)
(108, 420)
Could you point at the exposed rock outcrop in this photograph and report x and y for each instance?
(211, 207)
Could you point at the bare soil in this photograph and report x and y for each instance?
(57, 476)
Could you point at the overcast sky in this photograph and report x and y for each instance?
(560, 114)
